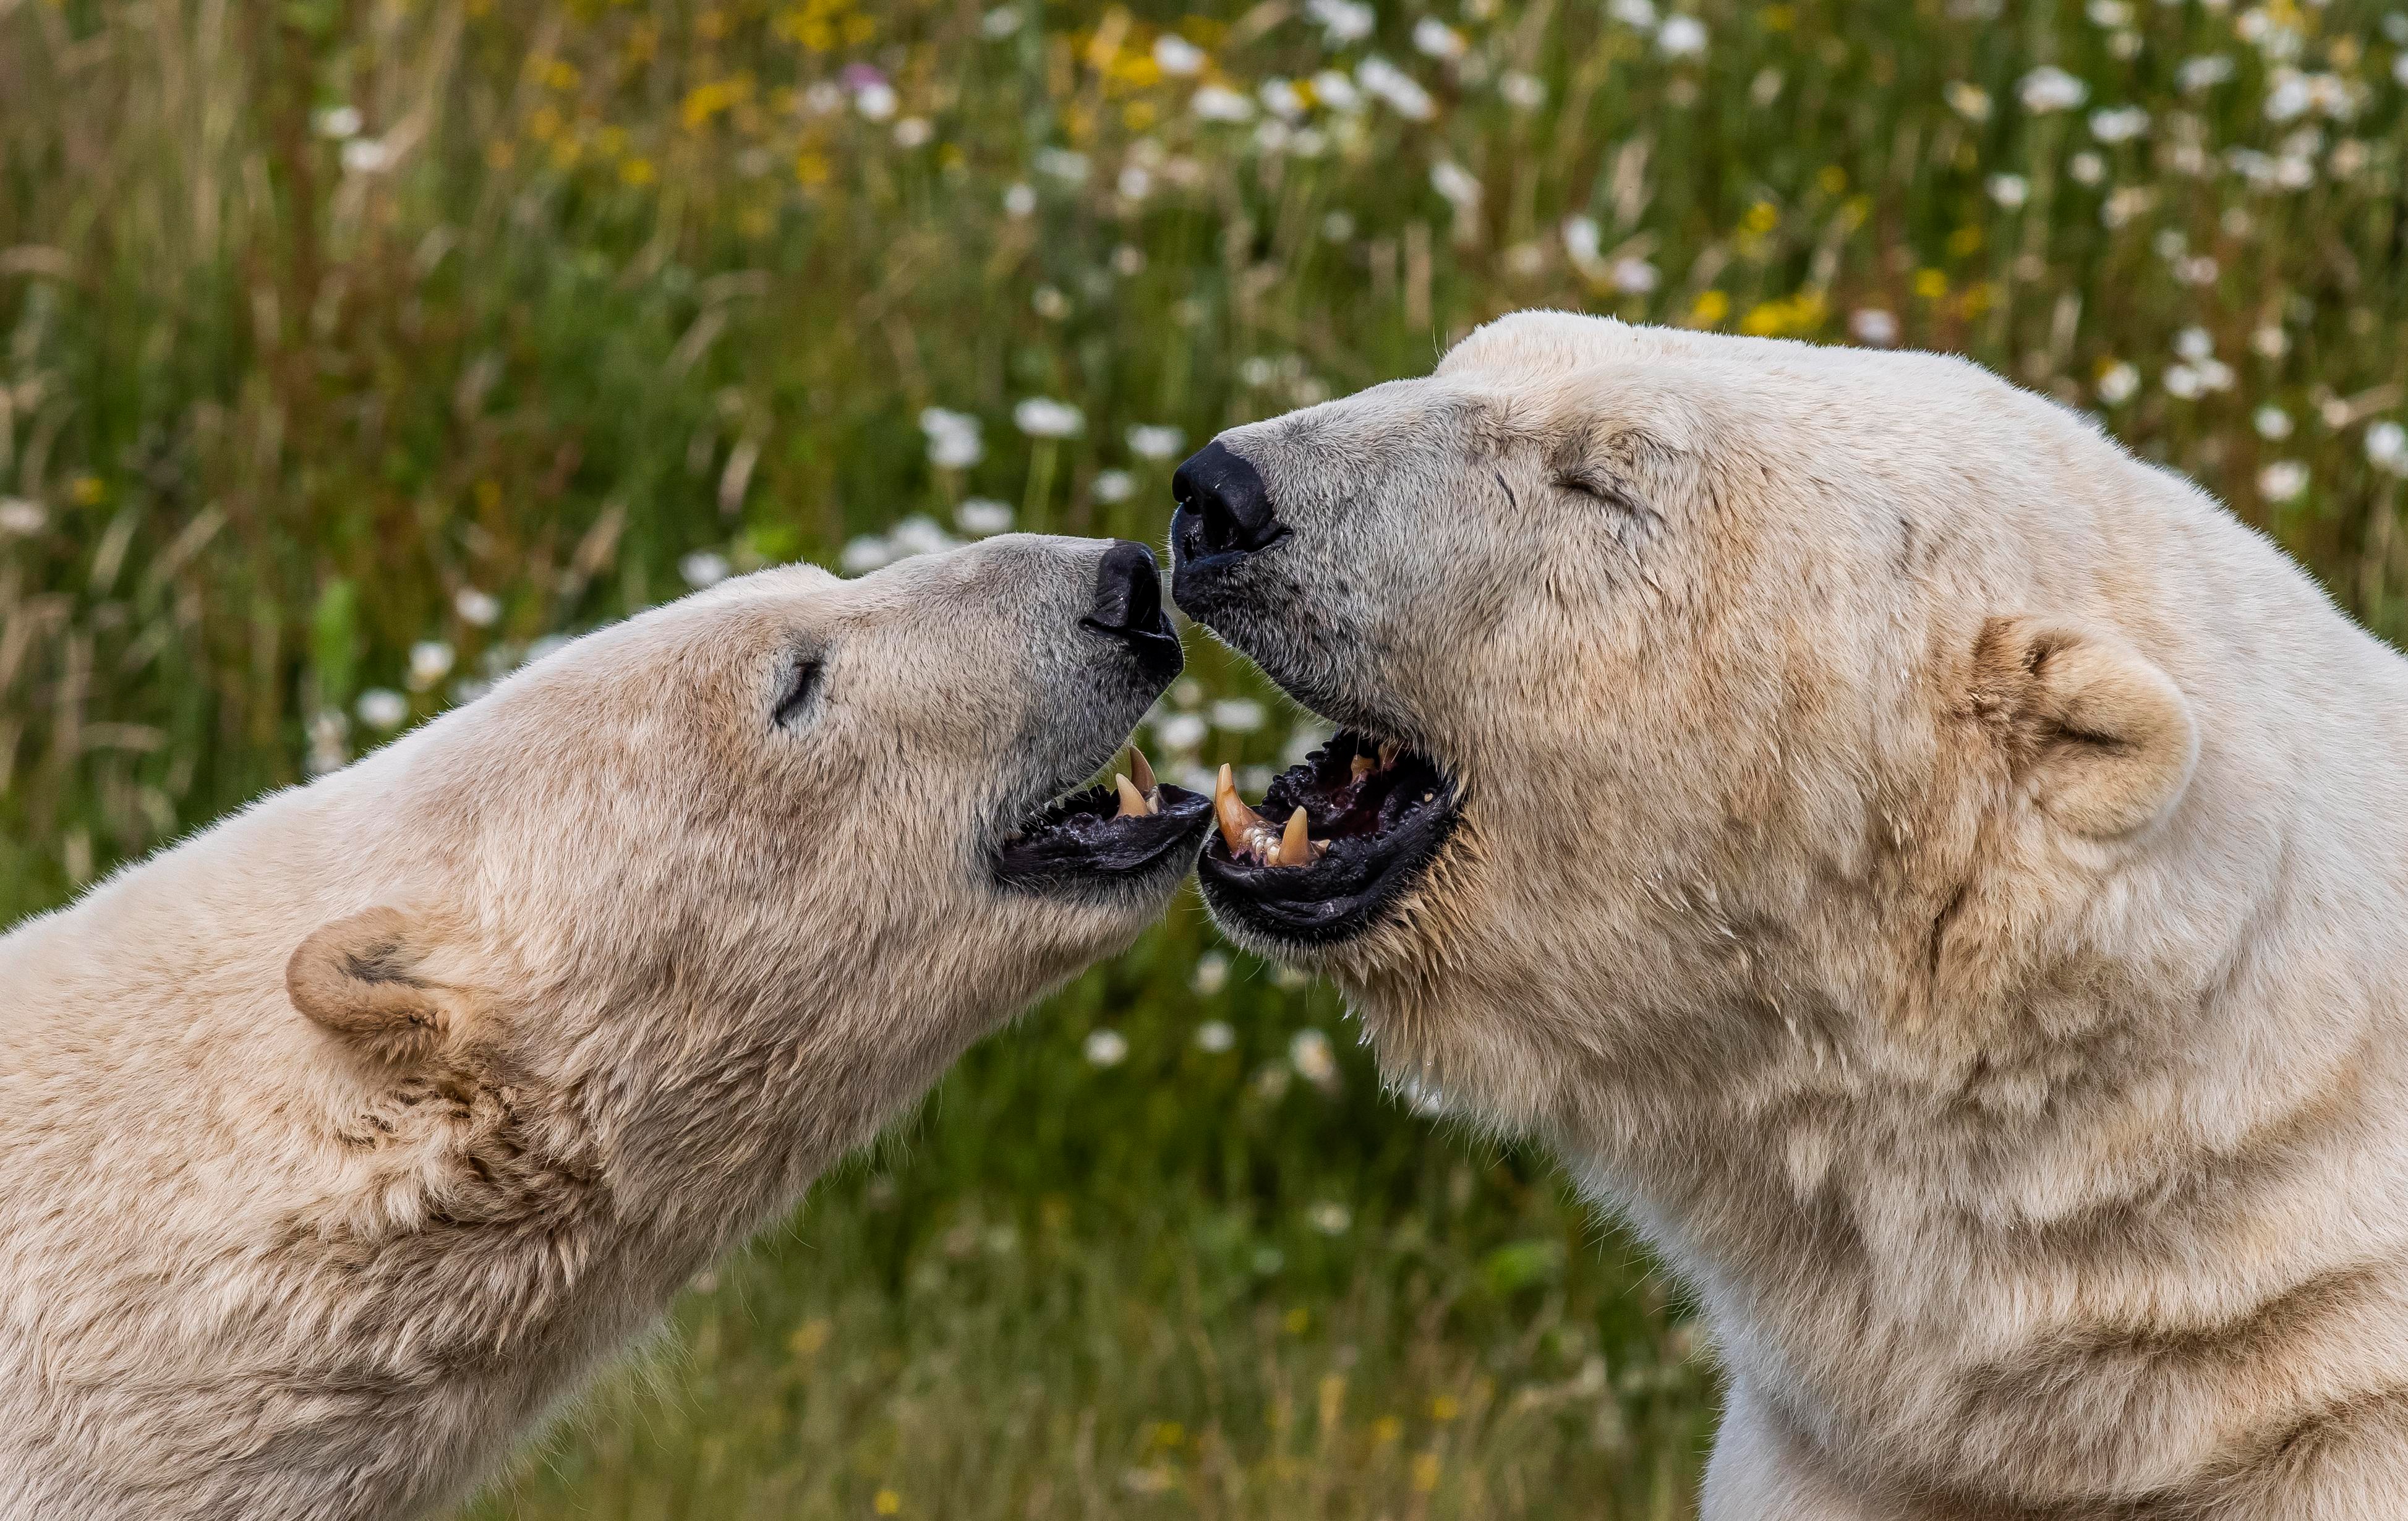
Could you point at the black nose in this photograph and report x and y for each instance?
(1223, 507)
(1128, 592)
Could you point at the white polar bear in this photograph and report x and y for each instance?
(1943, 877)
(336, 1143)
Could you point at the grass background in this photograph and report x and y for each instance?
(352, 348)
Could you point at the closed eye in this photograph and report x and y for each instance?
(801, 687)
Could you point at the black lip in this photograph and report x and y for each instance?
(1080, 842)
(1362, 878)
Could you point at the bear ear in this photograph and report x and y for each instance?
(359, 978)
(2103, 739)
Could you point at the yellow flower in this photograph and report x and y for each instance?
(811, 169)
(1761, 218)
(1779, 18)
(808, 1337)
(1445, 1408)
(1830, 179)
(887, 1503)
(637, 171)
(1930, 284)
(1964, 241)
(561, 74)
(1425, 1466)
(1139, 115)
(88, 491)
(1387, 1429)
(1710, 308)
(1295, 1320)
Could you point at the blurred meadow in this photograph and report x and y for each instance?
(354, 349)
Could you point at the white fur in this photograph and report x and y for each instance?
(1943, 877)
(601, 969)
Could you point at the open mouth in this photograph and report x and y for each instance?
(1339, 841)
(1128, 829)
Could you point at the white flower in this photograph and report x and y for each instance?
(1000, 23)
(327, 731)
(1969, 101)
(430, 661)
(337, 121)
(1404, 95)
(1041, 417)
(1639, 14)
(1219, 103)
(1210, 976)
(1018, 201)
(982, 516)
(2194, 343)
(2283, 480)
(1314, 1061)
(366, 155)
(2107, 15)
(1135, 183)
(2271, 342)
(876, 100)
(1522, 91)
(381, 708)
(953, 442)
(1213, 1035)
(1338, 226)
(20, 516)
(2290, 98)
(865, 554)
(2272, 422)
(1156, 442)
(1455, 182)
(2118, 383)
(825, 98)
(1106, 1048)
(1180, 731)
(2182, 382)
(1281, 98)
(468, 689)
(1337, 91)
(1872, 327)
(2194, 74)
(1237, 715)
(1634, 276)
(2010, 190)
(2195, 271)
(703, 567)
(1178, 57)
(474, 607)
(1114, 486)
(1341, 22)
(919, 533)
(2387, 447)
(1435, 39)
(1681, 36)
(1068, 165)
(1584, 240)
(913, 132)
(2399, 70)
(1329, 1217)
(2120, 123)
(2049, 88)
(2086, 168)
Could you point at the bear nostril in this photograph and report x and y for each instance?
(1129, 591)
(1223, 504)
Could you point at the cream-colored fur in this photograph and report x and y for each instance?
(336, 1143)
(1943, 877)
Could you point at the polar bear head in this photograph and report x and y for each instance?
(1688, 687)
(765, 858)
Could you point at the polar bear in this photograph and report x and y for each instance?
(1945, 879)
(338, 1141)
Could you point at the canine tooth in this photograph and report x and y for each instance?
(1140, 772)
(1241, 829)
(1295, 843)
(1362, 768)
(1132, 801)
